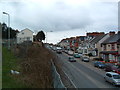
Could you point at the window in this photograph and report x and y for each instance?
(112, 46)
(104, 47)
(116, 76)
(85, 51)
(109, 75)
(28, 38)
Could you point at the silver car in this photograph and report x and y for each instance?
(112, 77)
(85, 59)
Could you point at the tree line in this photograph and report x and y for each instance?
(5, 29)
(39, 37)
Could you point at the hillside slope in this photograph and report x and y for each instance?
(35, 65)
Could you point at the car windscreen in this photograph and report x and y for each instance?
(116, 76)
(101, 63)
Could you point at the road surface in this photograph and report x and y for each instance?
(83, 74)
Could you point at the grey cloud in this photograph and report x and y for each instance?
(62, 16)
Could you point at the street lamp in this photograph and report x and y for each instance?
(8, 29)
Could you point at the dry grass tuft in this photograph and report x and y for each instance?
(36, 66)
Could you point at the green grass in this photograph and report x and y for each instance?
(10, 62)
(0, 75)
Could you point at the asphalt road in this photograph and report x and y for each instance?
(83, 75)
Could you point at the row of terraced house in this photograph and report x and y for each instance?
(99, 44)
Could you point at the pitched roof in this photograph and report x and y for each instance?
(112, 39)
(97, 38)
(27, 29)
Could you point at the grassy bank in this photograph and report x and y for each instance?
(9, 61)
(33, 62)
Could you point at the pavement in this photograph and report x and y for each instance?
(83, 74)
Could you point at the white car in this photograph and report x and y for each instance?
(70, 52)
(112, 77)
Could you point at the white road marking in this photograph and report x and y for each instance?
(70, 79)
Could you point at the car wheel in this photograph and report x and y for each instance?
(113, 84)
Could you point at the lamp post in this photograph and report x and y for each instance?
(8, 29)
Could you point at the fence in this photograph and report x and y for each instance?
(57, 82)
(12, 42)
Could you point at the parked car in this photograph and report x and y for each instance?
(97, 59)
(85, 59)
(59, 50)
(108, 67)
(116, 69)
(65, 51)
(99, 64)
(80, 54)
(70, 52)
(112, 77)
(71, 59)
(76, 55)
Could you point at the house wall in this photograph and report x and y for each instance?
(23, 35)
(109, 47)
(118, 49)
(110, 57)
(98, 45)
(64, 44)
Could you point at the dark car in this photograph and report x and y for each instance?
(116, 69)
(71, 59)
(99, 64)
(76, 55)
(85, 59)
(108, 67)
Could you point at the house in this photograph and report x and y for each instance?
(94, 47)
(64, 43)
(85, 46)
(25, 35)
(95, 44)
(72, 42)
(118, 46)
(110, 49)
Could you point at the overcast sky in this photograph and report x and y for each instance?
(64, 17)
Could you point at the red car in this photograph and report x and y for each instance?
(116, 69)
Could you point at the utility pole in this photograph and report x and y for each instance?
(8, 29)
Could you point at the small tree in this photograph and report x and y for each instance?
(40, 36)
